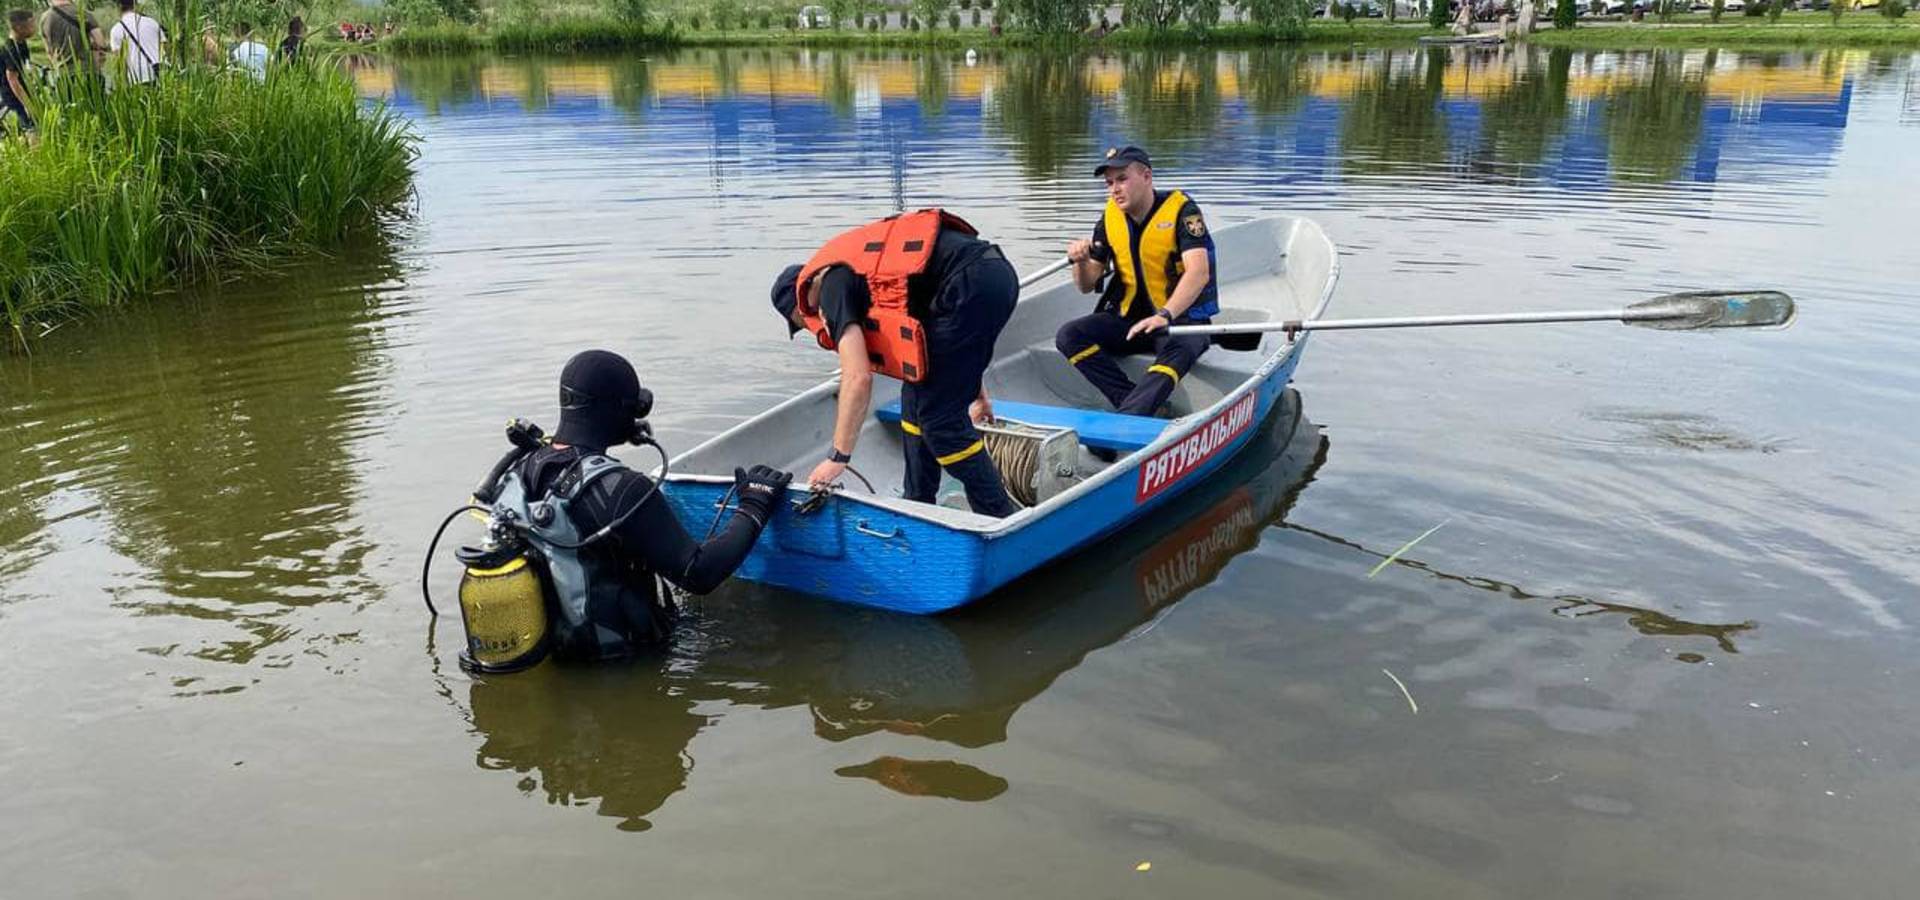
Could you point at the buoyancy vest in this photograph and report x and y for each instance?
(886, 253)
(1148, 262)
(601, 605)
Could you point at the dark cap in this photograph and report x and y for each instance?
(784, 298)
(1120, 156)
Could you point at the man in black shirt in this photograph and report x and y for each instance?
(962, 297)
(14, 57)
(1156, 248)
(602, 405)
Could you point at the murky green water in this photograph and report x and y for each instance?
(1662, 645)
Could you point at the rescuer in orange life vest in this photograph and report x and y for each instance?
(920, 297)
(1156, 257)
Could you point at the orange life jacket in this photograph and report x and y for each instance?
(886, 253)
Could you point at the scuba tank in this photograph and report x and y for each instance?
(503, 590)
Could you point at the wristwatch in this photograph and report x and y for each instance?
(834, 455)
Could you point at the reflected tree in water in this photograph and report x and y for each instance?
(1654, 121)
(837, 84)
(23, 508)
(439, 83)
(1274, 81)
(1170, 99)
(726, 72)
(932, 83)
(536, 89)
(631, 87)
(225, 461)
(1394, 116)
(1521, 123)
(1043, 105)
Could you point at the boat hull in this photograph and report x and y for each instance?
(876, 556)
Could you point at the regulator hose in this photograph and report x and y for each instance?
(426, 565)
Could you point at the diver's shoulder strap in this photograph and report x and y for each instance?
(584, 473)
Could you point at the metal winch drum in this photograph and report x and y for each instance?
(1035, 461)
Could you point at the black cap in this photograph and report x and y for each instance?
(600, 397)
(784, 298)
(1120, 156)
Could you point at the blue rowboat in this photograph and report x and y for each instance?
(876, 549)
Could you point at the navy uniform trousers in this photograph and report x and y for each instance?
(1090, 344)
(971, 307)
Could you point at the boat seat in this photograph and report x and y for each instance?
(1105, 430)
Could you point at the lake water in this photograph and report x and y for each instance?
(1661, 643)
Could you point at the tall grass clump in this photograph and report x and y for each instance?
(203, 174)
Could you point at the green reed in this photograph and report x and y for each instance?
(205, 174)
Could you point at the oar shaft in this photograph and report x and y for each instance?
(1051, 268)
(1602, 315)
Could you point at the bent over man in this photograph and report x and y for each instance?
(1155, 246)
(920, 297)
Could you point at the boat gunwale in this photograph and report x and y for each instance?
(991, 528)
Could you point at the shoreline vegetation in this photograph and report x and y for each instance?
(959, 24)
(205, 174)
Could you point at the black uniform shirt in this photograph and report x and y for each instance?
(13, 58)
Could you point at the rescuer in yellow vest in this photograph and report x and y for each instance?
(1154, 254)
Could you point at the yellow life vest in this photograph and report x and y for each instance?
(1158, 267)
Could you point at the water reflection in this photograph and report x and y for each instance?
(1394, 114)
(617, 737)
(1653, 122)
(1043, 109)
(1650, 622)
(1525, 121)
(614, 737)
(1644, 117)
(208, 445)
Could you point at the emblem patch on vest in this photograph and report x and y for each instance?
(1196, 226)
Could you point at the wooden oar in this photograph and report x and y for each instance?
(1670, 312)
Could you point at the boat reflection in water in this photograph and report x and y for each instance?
(616, 737)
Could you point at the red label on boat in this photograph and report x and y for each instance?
(1162, 469)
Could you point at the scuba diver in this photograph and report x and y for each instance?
(919, 297)
(576, 538)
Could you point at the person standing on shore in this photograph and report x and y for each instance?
(14, 56)
(74, 41)
(141, 42)
(249, 55)
(296, 35)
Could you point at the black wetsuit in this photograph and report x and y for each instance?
(650, 542)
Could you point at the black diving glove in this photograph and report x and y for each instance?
(760, 488)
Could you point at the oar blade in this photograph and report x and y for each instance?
(1713, 309)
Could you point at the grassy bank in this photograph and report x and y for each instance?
(205, 174)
